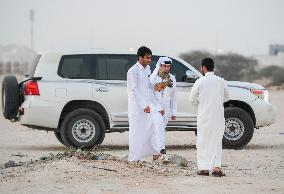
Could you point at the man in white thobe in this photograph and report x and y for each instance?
(209, 94)
(142, 137)
(164, 104)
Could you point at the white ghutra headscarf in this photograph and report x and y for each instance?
(161, 61)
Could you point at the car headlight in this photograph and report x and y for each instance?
(263, 94)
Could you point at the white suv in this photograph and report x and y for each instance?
(82, 95)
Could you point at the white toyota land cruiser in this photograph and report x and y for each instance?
(82, 95)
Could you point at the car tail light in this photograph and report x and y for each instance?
(263, 94)
(31, 88)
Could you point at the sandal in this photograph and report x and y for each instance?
(218, 173)
(163, 151)
(203, 172)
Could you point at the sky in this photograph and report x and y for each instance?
(166, 26)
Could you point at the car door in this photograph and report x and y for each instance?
(110, 84)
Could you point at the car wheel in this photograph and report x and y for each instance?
(239, 128)
(10, 97)
(83, 128)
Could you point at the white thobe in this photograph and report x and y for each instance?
(209, 93)
(163, 100)
(142, 137)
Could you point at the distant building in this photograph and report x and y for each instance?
(274, 49)
(275, 57)
(13, 68)
(16, 59)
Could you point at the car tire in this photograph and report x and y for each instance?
(10, 97)
(83, 128)
(58, 136)
(239, 128)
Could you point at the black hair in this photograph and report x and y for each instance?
(142, 51)
(208, 63)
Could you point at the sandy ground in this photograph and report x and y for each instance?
(258, 168)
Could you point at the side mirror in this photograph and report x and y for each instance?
(190, 76)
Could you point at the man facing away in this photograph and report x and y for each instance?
(142, 137)
(209, 94)
(164, 104)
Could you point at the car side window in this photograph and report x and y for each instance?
(75, 67)
(114, 67)
(101, 68)
(178, 70)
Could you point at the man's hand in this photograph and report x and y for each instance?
(174, 117)
(147, 109)
(162, 112)
(160, 86)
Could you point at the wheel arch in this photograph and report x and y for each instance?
(240, 104)
(93, 105)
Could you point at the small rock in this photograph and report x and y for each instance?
(9, 164)
(101, 157)
(20, 164)
(178, 160)
(43, 158)
(19, 154)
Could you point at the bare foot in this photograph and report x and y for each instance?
(217, 172)
(216, 169)
(156, 157)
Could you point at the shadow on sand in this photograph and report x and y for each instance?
(264, 147)
(102, 147)
(125, 147)
(36, 148)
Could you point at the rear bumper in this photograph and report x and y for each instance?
(40, 113)
(265, 113)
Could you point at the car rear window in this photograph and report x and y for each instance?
(32, 67)
(114, 66)
(76, 67)
(96, 66)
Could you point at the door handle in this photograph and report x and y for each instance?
(102, 89)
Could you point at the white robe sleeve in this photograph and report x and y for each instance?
(193, 97)
(155, 102)
(174, 97)
(132, 89)
(154, 75)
